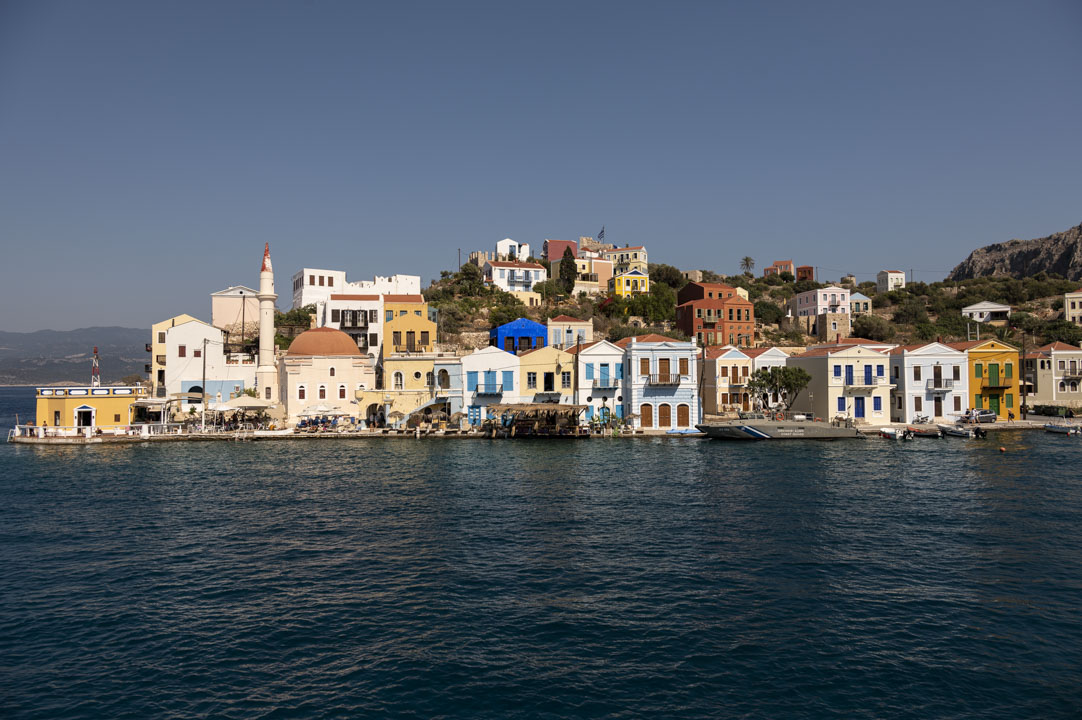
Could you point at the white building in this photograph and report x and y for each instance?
(887, 280)
(234, 307)
(513, 276)
(359, 316)
(813, 303)
(930, 379)
(491, 378)
(196, 363)
(848, 381)
(510, 250)
(987, 312)
(766, 357)
(599, 370)
(312, 286)
(661, 380)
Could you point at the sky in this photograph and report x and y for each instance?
(148, 150)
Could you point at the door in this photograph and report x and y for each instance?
(993, 403)
(663, 367)
(646, 416)
(683, 416)
(993, 375)
(937, 381)
(867, 374)
(848, 374)
(664, 415)
(858, 407)
(84, 417)
(746, 402)
(550, 382)
(474, 414)
(938, 404)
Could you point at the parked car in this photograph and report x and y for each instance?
(979, 416)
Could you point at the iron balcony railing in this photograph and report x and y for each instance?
(862, 381)
(606, 384)
(663, 379)
(934, 385)
(996, 383)
(489, 389)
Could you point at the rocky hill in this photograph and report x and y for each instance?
(49, 356)
(1060, 253)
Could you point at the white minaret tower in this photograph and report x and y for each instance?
(266, 375)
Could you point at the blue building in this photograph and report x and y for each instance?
(521, 334)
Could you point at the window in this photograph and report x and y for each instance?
(684, 366)
(402, 313)
(424, 337)
(1074, 386)
(331, 372)
(1009, 371)
(957, 403)
(957, 369)
(916, 372)
(1062, 386)
(725, 371)
(531, 380)
(565, 379)
(417, 313)
(197, 353)
(978, 371)
(879, 371)
(311, 279)
(161, 338)
(322, 392)
(877, 404)
(300, 392)
(373, 339)
(373, 315)
(895, 369)
(396, 338)
(898, 404)
(429, 379)
(644, 366)
(979, 400)
(321, 281)
(841, 404)
(341, 392)
(182, 351)
(336, 315)
(398, 381)
(918, 404)
(837, 371)
(1010, 400)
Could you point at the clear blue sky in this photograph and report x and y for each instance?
(147, 150)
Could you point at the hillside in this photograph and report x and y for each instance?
(50, 356)
(1059, 254)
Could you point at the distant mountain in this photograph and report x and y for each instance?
(49, 356)
(1060, 253)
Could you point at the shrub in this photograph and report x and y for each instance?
(872, 327)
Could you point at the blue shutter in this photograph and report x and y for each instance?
(841, 404)
(837, 371)
(879, 370)
(619, 372)
(471, 381)
(490, 379)
(619, 409)
(508, 380)
(589, 411)
(589, 371)
(877, 402)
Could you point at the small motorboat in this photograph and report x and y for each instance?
(955, 431)
(925, 432)
(892, 433)
(1061, 429)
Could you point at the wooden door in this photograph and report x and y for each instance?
(663, 366)
(646, 416)
(664, 415)
(937, 378)
(938, 404)
(683, 416)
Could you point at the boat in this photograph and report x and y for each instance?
(924, 432)
(1061, 429)
(955, 431)
(778, 426)
(892, 433)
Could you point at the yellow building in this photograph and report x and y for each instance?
(407, 384)
(157, 350)
(407, 327)
(633, 282)
(993, 375)
(72, 409)
(547, 376)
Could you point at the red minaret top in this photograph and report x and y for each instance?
(266, 259)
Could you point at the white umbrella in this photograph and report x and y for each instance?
(246, 402)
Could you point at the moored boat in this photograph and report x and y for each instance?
(924, 432)
(955, 431)
(778, 426)
(1061, 429)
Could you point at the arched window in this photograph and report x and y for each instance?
(398, 384)
(445, 379)
(341, 392)
(300, 392)
(332, 372)
(1074, 386)
(322, 392)
(1062, 386)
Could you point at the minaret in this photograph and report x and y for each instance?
(266, 375)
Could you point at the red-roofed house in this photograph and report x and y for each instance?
(627, 258)
(1053, 375)
(714, 314)
(553, 250)
(513, 276)
(565, 331)
(778, 267)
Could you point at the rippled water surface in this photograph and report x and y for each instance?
(607, 578)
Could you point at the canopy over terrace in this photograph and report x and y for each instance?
(537, 408)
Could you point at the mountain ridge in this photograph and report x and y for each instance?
(1059, 253)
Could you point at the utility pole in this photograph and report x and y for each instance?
(203, 405)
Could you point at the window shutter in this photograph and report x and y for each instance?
(508, 380)
(471, 380)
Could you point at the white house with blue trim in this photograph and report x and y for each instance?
(491, 378)
(599, 371)
(661, 377)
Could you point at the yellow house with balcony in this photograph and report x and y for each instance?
(407, 327)
(547, 376)
(633, 282)
(994, 371)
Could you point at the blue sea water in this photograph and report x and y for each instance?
(668, 577)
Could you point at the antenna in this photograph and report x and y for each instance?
(95, 370)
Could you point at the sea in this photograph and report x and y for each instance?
(618, 578)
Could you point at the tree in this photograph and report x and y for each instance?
(911, 312)
(747, 264)
(548, 290)
(784, 382)
(787, 277)
(671, 276)
(1063, 331)
(569, 272)
(767, 312)
(872, 327)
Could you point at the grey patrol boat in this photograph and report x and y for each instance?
(779, 426)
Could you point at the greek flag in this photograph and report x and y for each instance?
(601, 235)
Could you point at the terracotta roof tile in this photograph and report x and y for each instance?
(576, 349)
(404, 298)
(565, 318)
(354, 297)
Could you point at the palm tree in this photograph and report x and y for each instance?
(747, 264)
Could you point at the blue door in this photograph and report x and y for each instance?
(605, 375)
(867, 374)
(474, 414)
(858, 407)
(848, 374)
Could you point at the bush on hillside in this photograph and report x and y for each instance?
(872, 327)
(767, 312)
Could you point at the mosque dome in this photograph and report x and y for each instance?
(323, 342)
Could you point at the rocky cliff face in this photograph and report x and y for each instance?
(1060, 253)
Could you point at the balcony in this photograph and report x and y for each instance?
(996, 383)
(935, 386)
(149, 347)
(860, 381)
(606, 384)
(735, 381)
(489, 389)
(663, 379)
